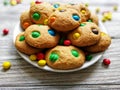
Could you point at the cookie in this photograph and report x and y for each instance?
(82, 9)
(23, 47)
(39, 13)
(93, 18)
(65, 57)
(64, 19)
(41, 36)
(86, 34)
(25, 20)
(102, 45)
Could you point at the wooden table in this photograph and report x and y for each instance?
(23, 75)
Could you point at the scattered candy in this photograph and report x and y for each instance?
(33, 57)
(42, 62)
(76, 17)
(6, 65)
(32, 2)
(56, 5)
(52, 19)
(54, 57)
(18, 1)
(86, 4)
(45, 21)
(76, 35)
(106, 16)
(40, 56)
(5, 31)
(13, 2)
(5, 2)
(106, 61)
(75, 53)
(67, 42)
(103, 19)
(115, 8)
(89, 57)
(83, 11)
(97, 10)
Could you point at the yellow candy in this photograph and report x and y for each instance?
(46, 21)
(32, 2)
(6, 65)
(97, 10)
(33, 57)
(115, 8)
(59, 8)
(104, 19)
(83, 11)
(13, 2)
(103, 34)
(42, 62)
(76, 35)
(86, 4)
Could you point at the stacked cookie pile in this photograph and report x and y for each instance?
(60, 31)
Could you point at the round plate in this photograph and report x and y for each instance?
(95, 58)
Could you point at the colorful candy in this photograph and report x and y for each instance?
(56, 5)
(83, 11)
(33, 57)
(52, 19)
(13, 2)
(45, 21)
(37, 2)
(35, 34)
(51, 32)
(61, 41)
(115, 8)
(5, 2)
(22, 38)
(40, 56)
(5, 31)
(106, 61)
(67, 42)
(76, 35)
(76, 17)
(26, 24)
(36, 16)
(42, 62)
(54, 57)
(97, 10)
(75, 53)
(6, 65)
(82, 24)
(89, 57)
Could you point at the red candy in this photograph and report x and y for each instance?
(67, 42)
(38, 2)
(106, 61)
(40, 56)
(5, 31)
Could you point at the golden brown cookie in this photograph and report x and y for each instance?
(64, 19)
(102, 45)
(25, 20)
(23, 47)
(82, 9)
(86, 34)
(65, 57)
(41, 36)
(93, 18)
(39, 13)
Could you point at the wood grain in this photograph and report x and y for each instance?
(23, 76)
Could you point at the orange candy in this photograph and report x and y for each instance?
(52, 19)
(26, 24)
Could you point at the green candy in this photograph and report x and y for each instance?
(35, 34)
(54, 57)
(36, 16)
(75, 53)
(89, 20)
(82, 24)
(89, 57)
(61, 41)
(22, 38)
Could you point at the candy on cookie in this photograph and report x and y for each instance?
(65, 57)
(23, 47)
(41, 36)
(86, 34)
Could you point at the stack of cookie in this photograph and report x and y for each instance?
(46, 26)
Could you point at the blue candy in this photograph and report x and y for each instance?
(51, 32)
(76, 17)
(56, 5)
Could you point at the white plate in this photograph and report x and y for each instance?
(95, 58)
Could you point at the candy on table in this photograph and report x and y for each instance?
(5, 31)
(5, 2)
(106, 61)
(107, 15)
(13, 2)
(33, 57)
(115, 8)
(42, 62)
(86, 4)
(6, 65)
(32, 2)
(97, 10)
(67, 42)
